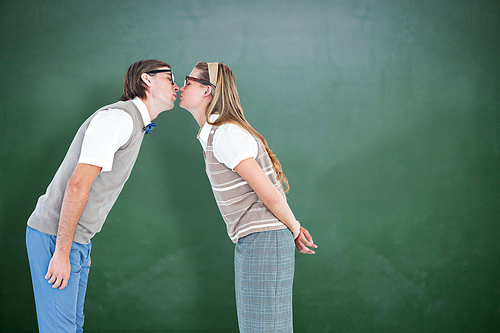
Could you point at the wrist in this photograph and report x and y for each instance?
(61, 253)
(296, 231)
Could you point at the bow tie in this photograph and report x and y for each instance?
(148, 128)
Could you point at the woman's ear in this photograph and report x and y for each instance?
(208, 91)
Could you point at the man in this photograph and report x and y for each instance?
(83, 191)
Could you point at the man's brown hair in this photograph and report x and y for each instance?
(133, 86)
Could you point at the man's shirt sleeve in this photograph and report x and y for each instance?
(106, 133)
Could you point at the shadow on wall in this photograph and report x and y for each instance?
(166, 226)
(34, 152)
(162, 255)
(412, 219)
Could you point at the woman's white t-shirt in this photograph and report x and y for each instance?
(231, 144)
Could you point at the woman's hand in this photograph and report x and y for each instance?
(303, 241)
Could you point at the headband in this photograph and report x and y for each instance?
(213, 69)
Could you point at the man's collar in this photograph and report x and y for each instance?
(143, 109)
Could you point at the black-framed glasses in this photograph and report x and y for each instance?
(197, 80)
(166, 70)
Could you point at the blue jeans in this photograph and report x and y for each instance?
(57, 310)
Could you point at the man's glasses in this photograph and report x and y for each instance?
(197, 80)
(167, 70)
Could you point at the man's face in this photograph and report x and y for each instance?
(163, 89)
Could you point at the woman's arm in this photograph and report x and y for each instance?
(252, 173)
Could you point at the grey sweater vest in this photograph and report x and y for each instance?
(104, 190)
(241, 209)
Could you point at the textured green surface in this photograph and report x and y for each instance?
(384, 114)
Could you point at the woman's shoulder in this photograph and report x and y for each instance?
(230, 129)
(230, 132)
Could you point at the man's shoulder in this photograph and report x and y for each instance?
(121, 105)
(113, 114)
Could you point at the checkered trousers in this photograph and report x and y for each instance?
(264, 267)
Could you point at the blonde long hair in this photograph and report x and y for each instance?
(226, 103)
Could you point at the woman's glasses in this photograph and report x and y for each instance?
(197, 80)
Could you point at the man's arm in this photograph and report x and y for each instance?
(75, 199)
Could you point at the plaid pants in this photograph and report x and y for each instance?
(264, 266)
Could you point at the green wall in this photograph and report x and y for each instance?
(384, 114)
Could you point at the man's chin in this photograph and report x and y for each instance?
(169, 106)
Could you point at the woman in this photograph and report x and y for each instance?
(249, 187)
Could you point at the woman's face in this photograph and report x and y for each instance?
(192, 93)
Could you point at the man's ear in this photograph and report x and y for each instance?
(146, 79)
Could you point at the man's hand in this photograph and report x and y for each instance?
(59, 271)
(303, 241)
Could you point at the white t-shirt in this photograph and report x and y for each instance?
(106, 133)
(231, 143)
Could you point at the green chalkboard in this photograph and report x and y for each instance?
(384, 114)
